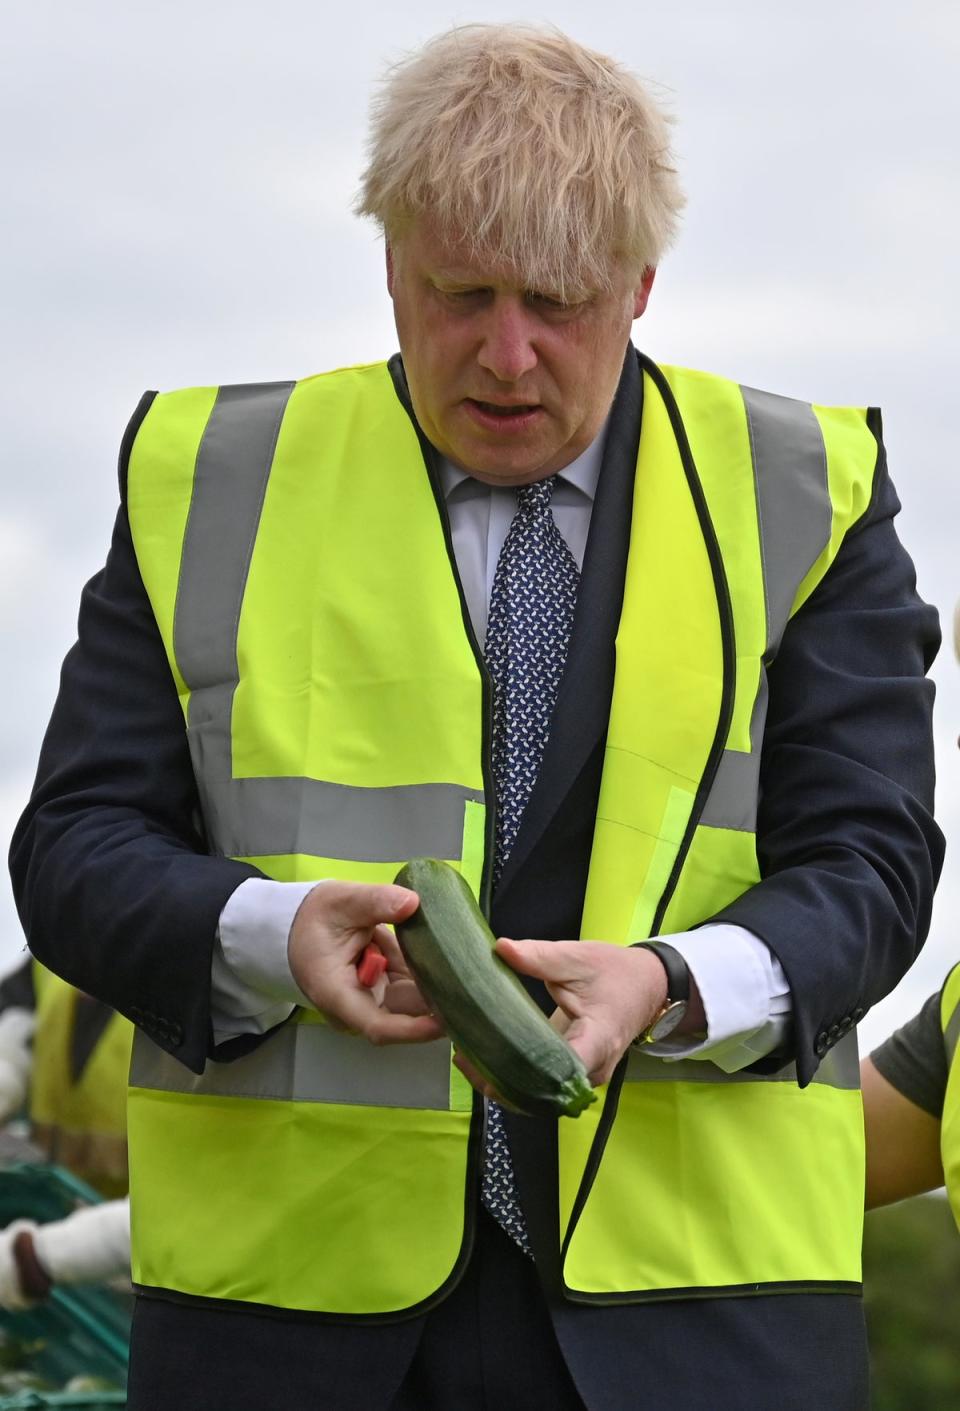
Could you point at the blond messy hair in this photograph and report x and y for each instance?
(530, 151)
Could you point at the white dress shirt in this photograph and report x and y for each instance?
(745, 993)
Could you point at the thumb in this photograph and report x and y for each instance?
(556, 961)
(362, 906)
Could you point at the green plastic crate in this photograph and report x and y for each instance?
(76, 1330)
(35, 1400)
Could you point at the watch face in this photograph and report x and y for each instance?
(665, 1023)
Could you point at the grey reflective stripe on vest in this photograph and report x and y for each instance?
(260, 817)
(229, 485)
(309, 1063)
(257, 817)
(313, 1063)
(951, 1035)
(795, 517)
(839, 1069)
(732, 801)
(793, 497)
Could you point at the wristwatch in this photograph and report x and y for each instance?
(674, 1007)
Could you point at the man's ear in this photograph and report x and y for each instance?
(642, 292)
(389, 250)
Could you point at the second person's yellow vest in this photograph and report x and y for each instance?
(79, 1120)
(950, 1122)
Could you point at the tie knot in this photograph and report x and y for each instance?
(534, 499)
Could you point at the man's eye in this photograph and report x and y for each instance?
(551, 303)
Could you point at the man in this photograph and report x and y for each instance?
(637, 650)
(911, 1095)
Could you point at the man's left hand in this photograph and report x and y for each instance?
(606, 995)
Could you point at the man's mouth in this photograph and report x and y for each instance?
(505, 410)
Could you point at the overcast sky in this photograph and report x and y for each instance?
(178, 178)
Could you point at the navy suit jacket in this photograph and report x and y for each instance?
(118, 894)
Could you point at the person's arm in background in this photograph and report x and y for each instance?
(904, 1082)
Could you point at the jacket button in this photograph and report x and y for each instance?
(820, 1045)
(857, 1015)
(833, 1033)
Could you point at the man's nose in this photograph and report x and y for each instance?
(507, 347)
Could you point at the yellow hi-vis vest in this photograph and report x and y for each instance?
(950, 1122)
(296, 554)
(80, 1123)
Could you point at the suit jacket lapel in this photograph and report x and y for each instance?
(583, 703)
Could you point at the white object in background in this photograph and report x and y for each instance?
(16, 1059)
(88, 1246)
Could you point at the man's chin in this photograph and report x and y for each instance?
(501, 464)
(490, 470)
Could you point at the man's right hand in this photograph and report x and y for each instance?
(334, 923)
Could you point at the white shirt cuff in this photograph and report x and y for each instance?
(252, 989)
(745, 993)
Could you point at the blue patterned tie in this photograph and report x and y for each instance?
(532, 603)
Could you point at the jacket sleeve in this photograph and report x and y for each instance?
(110, 871)
(848, 849)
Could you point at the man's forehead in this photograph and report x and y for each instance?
(457, 256)
(461, 260)
(488, 272)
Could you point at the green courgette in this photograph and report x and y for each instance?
(482, 1002)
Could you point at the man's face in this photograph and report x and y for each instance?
(507, 382)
